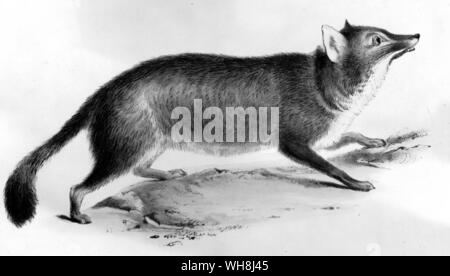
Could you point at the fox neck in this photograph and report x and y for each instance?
(349, 88)
(343, 94)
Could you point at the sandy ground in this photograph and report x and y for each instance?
(246, 210)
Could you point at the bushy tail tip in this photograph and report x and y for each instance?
(20, 198)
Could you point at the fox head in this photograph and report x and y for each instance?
(360, 52)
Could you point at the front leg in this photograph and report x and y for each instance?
(357, 138)
(303, 154)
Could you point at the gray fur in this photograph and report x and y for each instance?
(129, 119)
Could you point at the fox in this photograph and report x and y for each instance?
(129, 118)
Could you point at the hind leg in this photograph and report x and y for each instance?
(77, 194)
(120, 132)
(106, 168)
(98, 177)
(145, 169)
(148, 172)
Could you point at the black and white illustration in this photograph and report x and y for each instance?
(224, 127)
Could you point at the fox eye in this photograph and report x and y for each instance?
(377, 40)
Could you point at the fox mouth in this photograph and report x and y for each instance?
(412, 41)
(401, 53)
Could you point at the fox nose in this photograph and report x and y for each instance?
(416, 36)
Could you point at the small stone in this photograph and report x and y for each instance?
(330, 208)
(171, 244)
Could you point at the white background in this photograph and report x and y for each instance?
(54, 54)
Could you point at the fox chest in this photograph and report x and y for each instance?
(338, 126)
(351, 107)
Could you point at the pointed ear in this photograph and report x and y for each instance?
(334, 42)
(347, 25)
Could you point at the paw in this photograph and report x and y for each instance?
(363, 186)
(81, 219)
(375, 143)
(178, 173)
